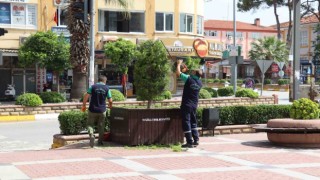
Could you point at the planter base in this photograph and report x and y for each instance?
(292, 132)
(60, 140)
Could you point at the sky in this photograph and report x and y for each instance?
(223, 10)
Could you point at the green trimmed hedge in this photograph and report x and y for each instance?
(260, 114)
(52, 97)
(267, 81)
(29, 99)
(226, 91)
(283, 81)
(74, 122)
(116, 95)
(204, 94)
(246, 92)
(212, 92)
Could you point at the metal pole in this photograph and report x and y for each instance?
(234, 66)
(91, 67)
(296, 49)
(262, 79)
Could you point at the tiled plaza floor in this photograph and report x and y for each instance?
(236, 156)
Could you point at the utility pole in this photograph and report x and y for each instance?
(296, 49)
(234, 64)
(91, 63)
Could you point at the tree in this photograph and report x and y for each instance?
(121, 53)
(308, 8)
(46, 49)
(79, 53)
(151, 71)
(248, 5)
(269, 48)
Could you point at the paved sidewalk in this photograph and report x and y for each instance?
(236, 156)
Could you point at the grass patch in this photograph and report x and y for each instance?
(173, 147)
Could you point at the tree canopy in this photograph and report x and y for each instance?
(121, 53)
(269, 48)
(151, 72)
(47, 49)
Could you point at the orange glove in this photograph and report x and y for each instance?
(84, 108)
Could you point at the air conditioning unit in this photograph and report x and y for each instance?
(229, 37)
(22, 40)
(241, 38)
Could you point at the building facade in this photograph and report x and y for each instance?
(177, 23)
(246, 33)
(308, 36)
(21, 18)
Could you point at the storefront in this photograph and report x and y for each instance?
(180, 48)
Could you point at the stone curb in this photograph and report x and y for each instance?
(22, 118)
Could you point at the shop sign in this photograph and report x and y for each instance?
(61, 30)
(274, 68)
(201, 47)
(15, 1)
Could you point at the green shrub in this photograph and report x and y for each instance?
(226, 91)
(72, 122)
(244, 92)
(283, 81)
(209, 80)
(304, 109)
(267, 81)
(199, 116)
(204, 94)
(29, 99)
(216, 80)
(222, 81)
(259, 114)
(167, 94)
(212, 92)
(117, 95)
(52, 97)
(240, 81)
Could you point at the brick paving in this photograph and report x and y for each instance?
(236, 156)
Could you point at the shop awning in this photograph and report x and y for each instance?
(9, 52)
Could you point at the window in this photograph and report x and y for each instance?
(18, 15)
(255, 35)
(304, 38)
(116, 22)
(249, 71)
(164, 22)
(62, 16)
(211, 33)
(200, 25)
(229, 34)
(186, 23)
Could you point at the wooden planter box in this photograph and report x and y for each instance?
(146, 126)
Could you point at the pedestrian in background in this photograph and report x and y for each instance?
(99, 92)
(189, 104)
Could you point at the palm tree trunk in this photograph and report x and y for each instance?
(277, 18)
(79, 85)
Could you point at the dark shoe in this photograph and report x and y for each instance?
(100, 143)
(92, 141)
(187, 146)
(195, 143)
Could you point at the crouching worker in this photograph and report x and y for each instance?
(99, 92)
(189, 104)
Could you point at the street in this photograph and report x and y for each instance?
(35, 135)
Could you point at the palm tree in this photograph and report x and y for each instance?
(269, 48)
(79, 51)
